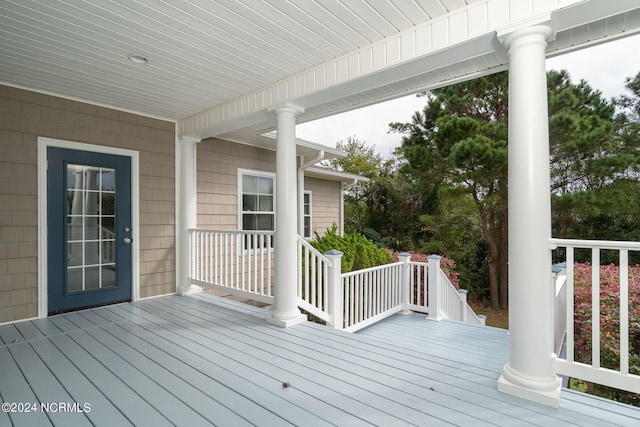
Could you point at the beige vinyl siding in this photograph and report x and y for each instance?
(25, 116)
(217, 186)
(218, 164)
(325, 203)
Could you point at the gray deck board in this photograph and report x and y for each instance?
(130, 403)
(338, 368)
(254, 356)
(28, 330)
(10, 334)
(45, 386)
(442, 387)
(204, 361)
(18, 392)
(103, 412)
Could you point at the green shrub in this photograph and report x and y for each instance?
(358, 251)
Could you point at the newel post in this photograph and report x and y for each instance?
(405, 282)
(434, 287)
(336, 299)
(463, 304)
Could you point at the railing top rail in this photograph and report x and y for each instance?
(212, 230)
(367, 270)
(419, 263)
(602, 244)
(310, 247)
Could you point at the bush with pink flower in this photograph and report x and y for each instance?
(609, 324)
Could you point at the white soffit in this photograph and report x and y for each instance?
(215, 66)
(200, 52)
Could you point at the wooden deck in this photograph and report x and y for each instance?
(200, 361)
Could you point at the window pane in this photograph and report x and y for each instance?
(249, 184)
(249, 203)
(265, 222)
(249, 222)
(307, 226)
(266, 185)
(107, 205)
(108, 180)
(266, 203)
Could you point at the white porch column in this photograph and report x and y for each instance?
(285, 312)
(187, 218)
(530, 373)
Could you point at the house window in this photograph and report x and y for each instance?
(306, 215)
(256, 200)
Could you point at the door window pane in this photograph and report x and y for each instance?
(90, 227)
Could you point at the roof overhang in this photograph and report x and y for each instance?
(333, 175)
(218, 68)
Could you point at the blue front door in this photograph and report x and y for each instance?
(89, 229)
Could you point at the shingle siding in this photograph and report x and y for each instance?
(25, 116)
(217, 185)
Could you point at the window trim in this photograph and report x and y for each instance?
(240, 174)
(310, 215)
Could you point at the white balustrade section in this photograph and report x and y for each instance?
(242, 263)
(618, 377)
(313, 279)
(237, 262)
(371, 295)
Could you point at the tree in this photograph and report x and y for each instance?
(595, 158)
(459, 141)
(360, 160)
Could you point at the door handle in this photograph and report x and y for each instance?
(127, 240)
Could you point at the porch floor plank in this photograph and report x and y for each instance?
(19, 392)
(102, 411)
(309, 378)
(200, 360)
(45, 385)
(337, 366)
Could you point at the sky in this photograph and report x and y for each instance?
(605, 67)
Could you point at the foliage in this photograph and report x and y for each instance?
(609, 324)
(358, 251)
(594, 161)
(447, 265)
(459, 141)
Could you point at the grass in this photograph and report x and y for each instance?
(496, 318)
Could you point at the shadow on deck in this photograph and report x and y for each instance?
(200, 360)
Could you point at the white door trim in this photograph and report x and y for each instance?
(43, 145)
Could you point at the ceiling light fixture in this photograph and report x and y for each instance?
(138, 59)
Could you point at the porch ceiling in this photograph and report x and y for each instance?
(209, 60)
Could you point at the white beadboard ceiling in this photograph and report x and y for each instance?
(204, 53)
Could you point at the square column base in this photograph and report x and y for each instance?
(544, 397)
(189, 290)
(285, 323)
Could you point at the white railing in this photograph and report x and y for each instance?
(371, 295)
(242, 263)
(313, 279)
(590, 368)
(360, 298)
(237, 262)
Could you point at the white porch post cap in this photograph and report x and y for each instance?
(296, 109)
(505, 34)
(189, 139)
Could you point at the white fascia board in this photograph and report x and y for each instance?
(333, 175)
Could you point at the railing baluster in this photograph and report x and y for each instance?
(595, 307)
(624, 312)
(570, 305)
